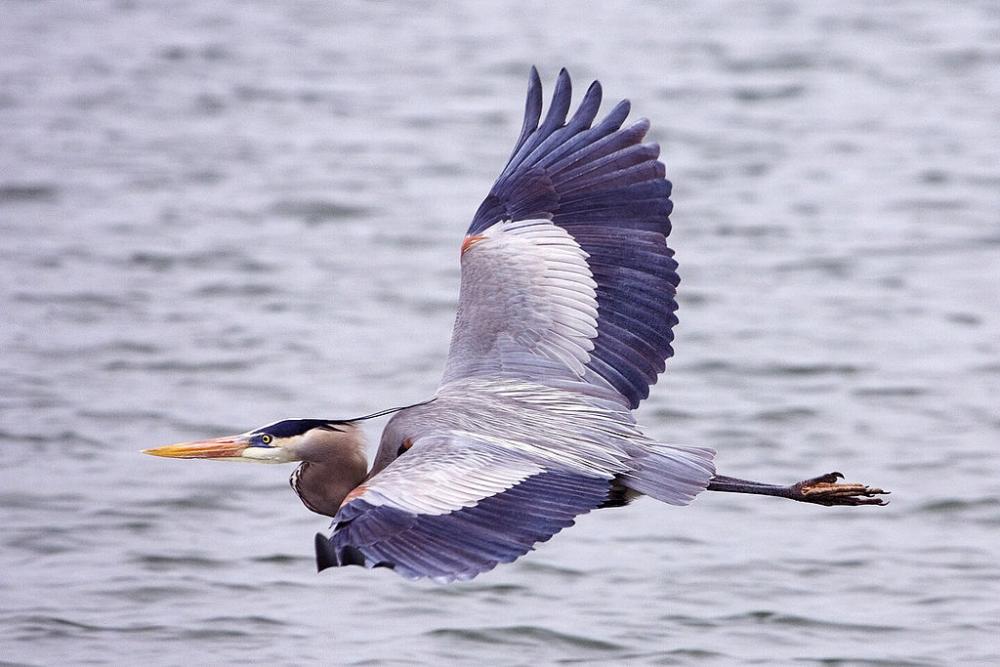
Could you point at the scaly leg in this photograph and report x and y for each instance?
(823, 490)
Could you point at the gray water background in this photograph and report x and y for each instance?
(214, 215)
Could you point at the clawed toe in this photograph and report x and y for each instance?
(827, 490)
(828, 478)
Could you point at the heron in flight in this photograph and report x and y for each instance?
(565, 318)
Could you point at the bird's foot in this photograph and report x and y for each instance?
(827, 490)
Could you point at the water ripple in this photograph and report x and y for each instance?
(767, 617)
(27, 192)
(524, 636)
(41, 627)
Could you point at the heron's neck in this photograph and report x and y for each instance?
(333, 464)
(322, 486)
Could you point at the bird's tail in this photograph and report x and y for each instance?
(670, 473)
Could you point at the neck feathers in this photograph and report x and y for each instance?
(334, 463)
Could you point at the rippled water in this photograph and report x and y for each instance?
(215, 215)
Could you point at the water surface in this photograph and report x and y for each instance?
(213, 216)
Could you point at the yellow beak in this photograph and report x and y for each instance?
(216, 448)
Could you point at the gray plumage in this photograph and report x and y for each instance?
(565, 319)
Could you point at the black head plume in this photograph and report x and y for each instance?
(289, 428)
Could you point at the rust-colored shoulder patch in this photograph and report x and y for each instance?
(470, 241)
(357, 491)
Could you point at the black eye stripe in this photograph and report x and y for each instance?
(292, 427)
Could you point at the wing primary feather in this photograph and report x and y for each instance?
(646, 171)
(562, 136)
(532, 110)
(589, 106)
(559, 107)
(554, 119)
(624, 158)
(605, 132)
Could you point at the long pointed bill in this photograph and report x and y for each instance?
(216, 448)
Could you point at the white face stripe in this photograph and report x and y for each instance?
(278, 453)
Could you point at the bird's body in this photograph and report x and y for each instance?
(565, 319)
(553, 427)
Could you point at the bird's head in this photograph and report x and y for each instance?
(281, 442)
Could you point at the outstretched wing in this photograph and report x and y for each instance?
(455, 506)
(565, 267)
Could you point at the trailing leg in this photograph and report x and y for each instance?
(823, 490)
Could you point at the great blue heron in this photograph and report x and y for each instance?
(564, 321)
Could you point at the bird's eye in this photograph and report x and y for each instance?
(266, 439)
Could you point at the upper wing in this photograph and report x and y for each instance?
(565, 267)
(454, 506)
